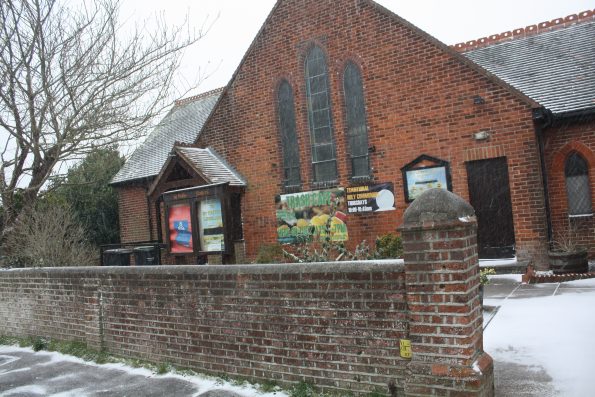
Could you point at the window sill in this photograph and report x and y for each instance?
(325, 185)
(292, 188)
(580, 216)
(356, 180)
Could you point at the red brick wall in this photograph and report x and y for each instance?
(134, 215)
(561, 141)
(442, 278)
(419, 100)
(335, 325)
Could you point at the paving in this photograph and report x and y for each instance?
(530, 378)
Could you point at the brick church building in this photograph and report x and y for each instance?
(341, 113)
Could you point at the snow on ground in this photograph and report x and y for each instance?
(554, 332)
(517, 278)
(497, 262)
(201, 383)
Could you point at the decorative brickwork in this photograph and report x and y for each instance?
(531, 30)
(530, 277)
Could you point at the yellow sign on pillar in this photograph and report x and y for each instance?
(405, 345)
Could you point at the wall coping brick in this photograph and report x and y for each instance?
(395, 265)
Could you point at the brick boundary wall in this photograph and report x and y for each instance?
(442, 281)
(337, 325)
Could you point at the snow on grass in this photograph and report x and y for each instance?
(202, 383)
(554, 332)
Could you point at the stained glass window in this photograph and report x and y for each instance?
(319, 116)
(357, 130)
(291, 154)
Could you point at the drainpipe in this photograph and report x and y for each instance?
(158, 220)
(542, 120)
(149, 215)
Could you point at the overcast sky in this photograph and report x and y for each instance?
(236, 22)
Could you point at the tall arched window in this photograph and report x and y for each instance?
(291, 154)
(357, 130)
(576, 171)
(324, 162)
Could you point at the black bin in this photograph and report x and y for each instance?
(117, 257)
(145, 256)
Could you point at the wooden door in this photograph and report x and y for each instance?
(489, 194)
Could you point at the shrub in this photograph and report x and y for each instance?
(269, 253)
(389, 246)
(39, 344)
(48, 236)
(484, 273)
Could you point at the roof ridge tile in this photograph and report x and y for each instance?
(531, 30)
(183, 101)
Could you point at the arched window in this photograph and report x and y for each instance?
(576, 171)
(291, 154)
(324, 162)
(357, 130)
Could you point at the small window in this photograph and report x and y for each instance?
(291, 154)
(357, 130)
(576, 171)
(324, 162)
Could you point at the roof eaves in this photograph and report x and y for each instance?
(228, 166)
(572, 114)
(191, 163)
(136, 181)
(157, 179)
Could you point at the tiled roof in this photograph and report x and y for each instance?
(555, 68)
(182, 124)
(210, 165)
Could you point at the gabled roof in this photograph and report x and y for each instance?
(421, 33)
(555, 68)
(205, 163)
(210, 166)
(182, 124)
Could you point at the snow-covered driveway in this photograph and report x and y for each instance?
(542, 338)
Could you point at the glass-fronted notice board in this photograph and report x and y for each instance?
(210, 220)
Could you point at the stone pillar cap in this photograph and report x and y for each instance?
(438, 205)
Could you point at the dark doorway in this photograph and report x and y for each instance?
(489, 193)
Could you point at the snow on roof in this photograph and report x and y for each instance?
(210, 165)
(555, 68)
(182, 124)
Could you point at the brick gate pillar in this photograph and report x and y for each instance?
(442, 280)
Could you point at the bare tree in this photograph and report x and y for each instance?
(72, 81)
